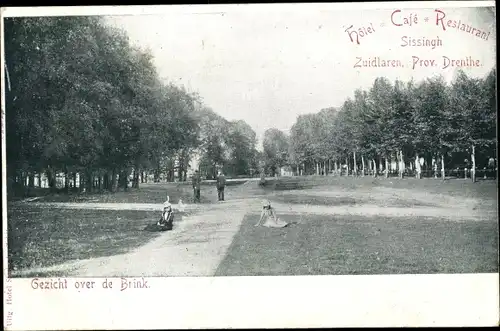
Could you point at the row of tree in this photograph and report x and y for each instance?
(421, 127)
(83, 101)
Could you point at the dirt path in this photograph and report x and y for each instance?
(453, 212)
(195, 246)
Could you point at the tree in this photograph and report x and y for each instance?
(240, 143)
(276, 149)
(473, 114)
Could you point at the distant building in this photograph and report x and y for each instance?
(286, 171)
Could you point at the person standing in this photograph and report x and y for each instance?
(196, 186)
(491, 166)
(221, 183)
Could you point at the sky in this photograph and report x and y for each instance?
(267, 65)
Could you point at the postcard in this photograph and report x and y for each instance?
(250, 166)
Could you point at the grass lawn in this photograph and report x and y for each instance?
(314, 244)
(40, 237)
(349, 245)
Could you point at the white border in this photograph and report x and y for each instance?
(265, 302)
(255, 302)
(192, 9)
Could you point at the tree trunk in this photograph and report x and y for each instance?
(355, 167)
(418, 170)
(120, 180)
(66, 180)
(125, 180)
(40, 179)
(31, 180)
(51, 179)
(105, 180)
(22, 182)
(386, 167)
(434, 160)
(88, 180)
(443, 175)
(99, 181)
(362, 166)
(135, 177)
(374, 167)
(347, 164)
(180, 169)
(126, 174)
(114, 183)
(473, 169)
(401, 164)
(81, 178)
(156, 174)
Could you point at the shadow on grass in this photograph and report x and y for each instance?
(350, 245)
(147, 193)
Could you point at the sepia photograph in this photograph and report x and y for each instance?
(236, 140)
(239, 148)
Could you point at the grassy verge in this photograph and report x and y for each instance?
(348, 245)
(40, 237)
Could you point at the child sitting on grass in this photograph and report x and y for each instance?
(166, 216)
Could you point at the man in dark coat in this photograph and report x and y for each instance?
(221, 183)
(196, 186)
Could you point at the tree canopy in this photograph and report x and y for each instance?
(83, 100)
(399, 121)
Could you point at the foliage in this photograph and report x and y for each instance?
(84, 100)
(429, 118)
(276, 149)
